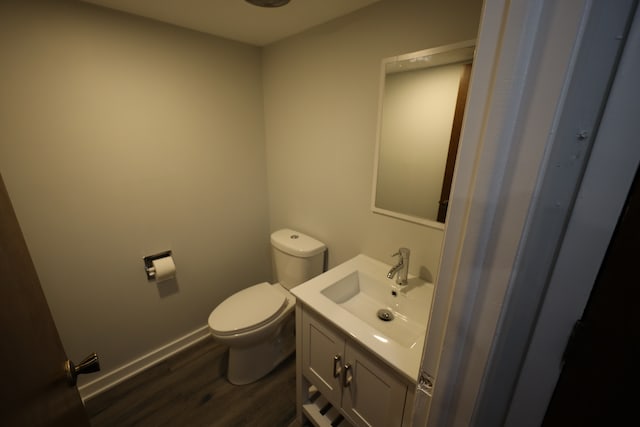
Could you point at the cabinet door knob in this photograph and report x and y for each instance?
(348, 375)
(337, 365)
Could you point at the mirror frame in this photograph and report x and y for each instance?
(426, 52)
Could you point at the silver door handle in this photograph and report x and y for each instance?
(348, 376)
(337, 366)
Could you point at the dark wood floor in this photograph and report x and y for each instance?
(189, 389)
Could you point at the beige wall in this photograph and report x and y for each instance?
(121, 137)
(321, 104)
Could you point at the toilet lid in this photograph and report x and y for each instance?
(248, 309)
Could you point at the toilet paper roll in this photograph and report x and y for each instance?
(165, 268)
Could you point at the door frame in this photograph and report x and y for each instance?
(603, 191)
(505, 155)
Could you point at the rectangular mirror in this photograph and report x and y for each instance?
(422, 99)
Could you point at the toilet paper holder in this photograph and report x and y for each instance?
(148, 263)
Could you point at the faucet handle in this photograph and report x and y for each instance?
(402, 253)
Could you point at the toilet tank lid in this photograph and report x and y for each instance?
(295, 243)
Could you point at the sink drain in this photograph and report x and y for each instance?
(385, 315)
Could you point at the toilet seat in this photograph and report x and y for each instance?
(248, 309)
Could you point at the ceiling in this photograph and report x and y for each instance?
(237, 19)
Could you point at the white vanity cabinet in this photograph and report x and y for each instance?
(338, 378)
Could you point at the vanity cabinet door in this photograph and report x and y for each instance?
(323, 358)
(362, 387)
(372, 395)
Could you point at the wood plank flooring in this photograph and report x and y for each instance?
(190, 389)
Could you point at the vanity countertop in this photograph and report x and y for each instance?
(350, 295)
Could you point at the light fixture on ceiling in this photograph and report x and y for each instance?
(268, 3)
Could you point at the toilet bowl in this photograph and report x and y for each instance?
(257, 323)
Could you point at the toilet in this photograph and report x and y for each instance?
(257, 323)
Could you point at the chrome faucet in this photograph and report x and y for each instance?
(401, 269)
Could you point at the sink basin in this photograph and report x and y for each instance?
(364, 296)
(352, 294)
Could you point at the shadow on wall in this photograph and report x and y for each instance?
(425, 274)
(168, 287)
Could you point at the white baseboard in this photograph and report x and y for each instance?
(117, 375)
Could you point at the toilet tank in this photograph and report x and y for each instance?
(297, 257)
